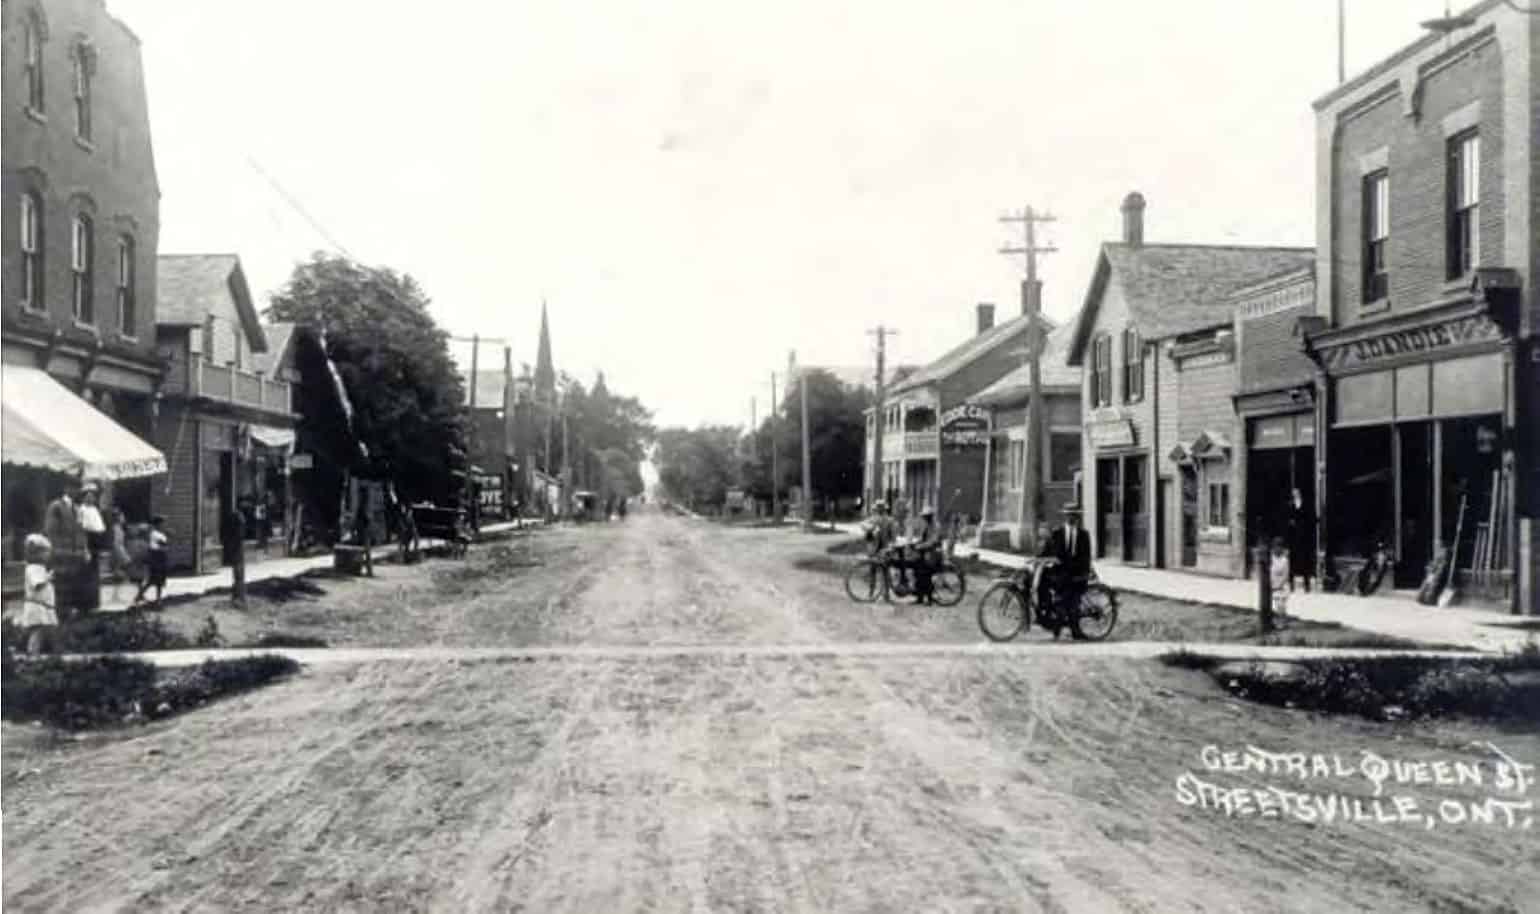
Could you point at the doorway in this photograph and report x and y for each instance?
(1414, 501)
(1189, 476)
(1109, 509)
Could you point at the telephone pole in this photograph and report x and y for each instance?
(475, 340)
(775, 492)
(807, 457)
(879, 413)
(1032, 306)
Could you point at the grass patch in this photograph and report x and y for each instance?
(1388, 688)
(105, 691)
(104, 633)
(287, 639)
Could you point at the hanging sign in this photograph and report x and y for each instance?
(965, 426)
(1113, 433)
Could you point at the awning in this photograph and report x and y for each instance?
(268, 436)
(45, 425)
(1209, 444)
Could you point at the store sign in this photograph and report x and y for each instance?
(1111, 433)
(491, 489)
(965, 426)
(1416, 341)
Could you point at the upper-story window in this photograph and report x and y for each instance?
(81, 259)
(1133, 367)
(1376, 279)
(1464, 227)
(82, 66)
(1101, 371)
(34, 63)
(31, 252)
(127, 319)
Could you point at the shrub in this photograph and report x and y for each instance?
(188, 688)
(107, 633)
(285, 639)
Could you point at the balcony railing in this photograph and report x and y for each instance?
(910, 445)
(239, 387)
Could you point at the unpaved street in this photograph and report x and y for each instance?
(719, 779)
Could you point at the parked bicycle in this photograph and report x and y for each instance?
(1013, 602)
(879, 577)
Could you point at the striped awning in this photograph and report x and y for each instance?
(45, 425)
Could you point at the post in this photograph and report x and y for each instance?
(775, 492)
(1341, 43)
(807, 457)
(1031, 306)
(1264, 589)
(879, 413)
(470, 443)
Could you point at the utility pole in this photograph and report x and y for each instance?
(807, 454)
(475, 340)
(775, 492)
(1032, 306)
(879, 413)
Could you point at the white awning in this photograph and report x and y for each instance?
(269, 436)
(44, 424)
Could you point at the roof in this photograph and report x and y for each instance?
(1405, 52)
(489, 388)
(965, 354)
(1053, 372)
(1172, 289)
(190, 286)
(279, 336)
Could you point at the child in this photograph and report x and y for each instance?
(37, 613)
(155, 562)
(1281, 581)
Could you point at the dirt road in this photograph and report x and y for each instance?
(724, 780)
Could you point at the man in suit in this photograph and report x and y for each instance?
(1072, 547)
(61, 524)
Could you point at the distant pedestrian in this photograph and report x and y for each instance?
(1301, 540)
(38, 616)
(1280, 579)
(233, 545)
(363, 535)
(155, 562)
(117, 532)
(61, 527)
(259, 518)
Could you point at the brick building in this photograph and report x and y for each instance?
(1005, 454)
(934, 440)
(79, 225)
(1423, 334)
(1155, 343)
(224, 416)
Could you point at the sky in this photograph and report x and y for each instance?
(697, 188)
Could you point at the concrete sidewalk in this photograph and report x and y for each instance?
(270, 569)
(1393, 616)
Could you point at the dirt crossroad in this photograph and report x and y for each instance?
(720, 780)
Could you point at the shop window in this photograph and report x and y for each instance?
(33, 57)
(1101, 371)
(1219, 505)
(127, 318)
(1464, 183)
(81, 257)
(31, 252)
(1063, 456)
(1133, 367)
(1376, 235)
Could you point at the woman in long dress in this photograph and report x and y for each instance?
(1301, 540)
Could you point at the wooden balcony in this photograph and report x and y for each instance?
(239, 388)
(910, 445)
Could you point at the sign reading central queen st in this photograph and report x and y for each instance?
(963, 426)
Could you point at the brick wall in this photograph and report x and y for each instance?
(1416, 157)
(111, 178)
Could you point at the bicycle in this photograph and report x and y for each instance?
(1009, 605)
(872, 578)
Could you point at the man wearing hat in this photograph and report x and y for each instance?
(927, 554)
(1072, 547)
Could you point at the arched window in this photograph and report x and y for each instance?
(81, 258)
(33, 60)
(82, 65)
(31, 252)
(127, 319)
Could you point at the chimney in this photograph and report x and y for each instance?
(1133, 218)
(986, 313)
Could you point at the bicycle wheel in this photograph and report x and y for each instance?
(865, 582)
(948, 585)
(1098, 613)
(1002, 611)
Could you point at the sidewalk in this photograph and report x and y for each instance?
(1483, 630)
(269, 569)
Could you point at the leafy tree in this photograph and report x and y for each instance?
(836, 437)
(698, 466)
(394, 361)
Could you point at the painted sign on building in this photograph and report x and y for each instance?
(491, 488)
(965, 426)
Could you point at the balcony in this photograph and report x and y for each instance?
(237, 387)
(910, 445)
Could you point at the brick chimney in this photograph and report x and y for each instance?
(986, 314)
(1133, 218)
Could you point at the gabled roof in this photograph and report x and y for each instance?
(1052, 370)
(965, 354)
(279, 338)
(1173, 289)
(489, 388)
(189, 286)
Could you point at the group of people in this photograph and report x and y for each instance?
(62, 577)
(917, 559)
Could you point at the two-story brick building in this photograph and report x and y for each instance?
(934, 440)
(79, 224)
(219, 414)
(1155, 343)
(1427, 198)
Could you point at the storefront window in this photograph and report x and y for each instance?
(1063, 455)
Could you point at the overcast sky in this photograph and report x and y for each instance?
(698, 187)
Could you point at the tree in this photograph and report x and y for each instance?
(836, 438)
(698, 466)
(394, 362)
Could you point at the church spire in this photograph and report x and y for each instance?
(545, 372)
